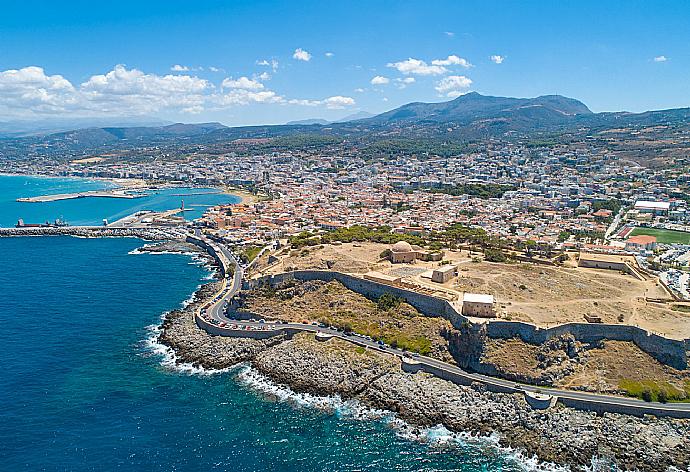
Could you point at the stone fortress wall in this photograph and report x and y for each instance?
(668, 351)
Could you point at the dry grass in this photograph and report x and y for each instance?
(333, 304)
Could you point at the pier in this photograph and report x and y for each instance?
(116, 193)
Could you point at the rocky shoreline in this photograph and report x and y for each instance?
(559, 435)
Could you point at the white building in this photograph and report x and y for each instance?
(478, 304)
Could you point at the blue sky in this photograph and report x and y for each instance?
(258, 62)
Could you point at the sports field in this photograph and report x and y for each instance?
(664, 236)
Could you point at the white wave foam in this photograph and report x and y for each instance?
(169, 359)
(351, 409)
(142, 250)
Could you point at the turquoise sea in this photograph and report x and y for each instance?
(92, 211)
(83, 387)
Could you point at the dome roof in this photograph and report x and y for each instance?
(401, 246)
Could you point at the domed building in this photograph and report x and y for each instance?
(402, 246)
(403, 252)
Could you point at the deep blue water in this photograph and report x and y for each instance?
(92, 210)
(81, 389)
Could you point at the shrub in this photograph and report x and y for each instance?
(388, 301)
(495, 255)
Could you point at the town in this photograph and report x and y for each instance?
(555, 198)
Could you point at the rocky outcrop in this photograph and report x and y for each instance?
(559, 435)
(513, 359)
(195, 346)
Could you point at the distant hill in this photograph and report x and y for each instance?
(42, 127)
(514, 113)
(360, 115)
(444, 127)
(310, 121)
(100, 136)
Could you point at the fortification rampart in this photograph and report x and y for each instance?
(669, 351)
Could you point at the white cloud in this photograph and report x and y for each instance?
(452, 60)
(214, 69)
(417, 67)
(450, 34)
(30, 93)
(336, 102)
(244, 97)
(136, 92)
(273, 63)
(497, 59)
(661, 58)
(329, 54)
(301, 55)
(244, 83)
(264, 76)
(402, 83)
(179, 68)
(453, 85)
(380, 80)
(359, 90)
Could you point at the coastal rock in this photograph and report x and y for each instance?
(328, 368)
(197, 347)
(560, 435)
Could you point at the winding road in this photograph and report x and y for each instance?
(217, 312)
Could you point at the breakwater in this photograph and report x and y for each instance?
(93, 232)
(669, 351)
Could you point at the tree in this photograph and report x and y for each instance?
(495, 255)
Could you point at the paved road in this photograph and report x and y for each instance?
(217, 309)
(423, 360)
(217, 312)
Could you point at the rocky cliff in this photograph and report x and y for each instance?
(374, 379)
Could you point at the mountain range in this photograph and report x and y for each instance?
(468, 117)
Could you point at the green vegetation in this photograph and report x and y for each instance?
(458, 233)
(420, 147)
(483, 191)
(681, 308)
(393, 337)
(249, 253)
(563, 236)
(454, 236)
(663, 236)
(613, 204)
(651, 391)
(495, 255)
(356, 233)
(388, 301)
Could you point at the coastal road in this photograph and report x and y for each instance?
(472, 377)
(217, 312)
(217, 309)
